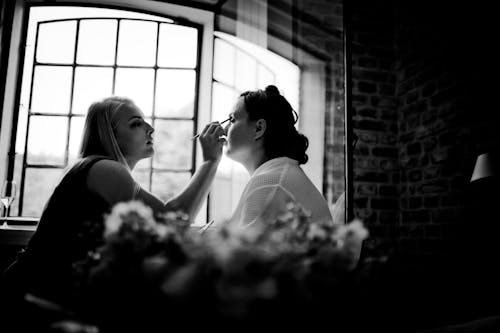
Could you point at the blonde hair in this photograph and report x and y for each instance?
(98, 133)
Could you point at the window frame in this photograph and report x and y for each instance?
(202, 20)
(74, 65)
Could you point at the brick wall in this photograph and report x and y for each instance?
(422, 107)
(374, 115)
(436, 151)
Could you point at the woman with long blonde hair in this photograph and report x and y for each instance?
(115, 138)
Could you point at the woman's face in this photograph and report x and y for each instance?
(133, 134)
(240, 133)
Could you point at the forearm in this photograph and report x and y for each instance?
(192, 196)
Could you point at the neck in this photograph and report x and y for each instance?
(256, 160)
(131, 163)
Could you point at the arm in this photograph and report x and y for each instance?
(192, 196)
(114, 183)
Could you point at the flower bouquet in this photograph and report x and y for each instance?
(155, 272)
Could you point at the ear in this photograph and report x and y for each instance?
(260, 129)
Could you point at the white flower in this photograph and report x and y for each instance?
(176, 216)
(122, 213)
(316, 232)
(350, 239)
(225, 241)
(354, 231)
(164, 231)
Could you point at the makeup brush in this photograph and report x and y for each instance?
(197, 135)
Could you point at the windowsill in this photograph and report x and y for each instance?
(21, 221)
(17, 231)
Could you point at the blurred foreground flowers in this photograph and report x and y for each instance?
(154, 272)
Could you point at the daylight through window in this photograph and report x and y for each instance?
(75, 57)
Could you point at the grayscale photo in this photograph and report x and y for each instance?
(248, 165)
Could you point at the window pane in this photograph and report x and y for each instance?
(227, 188)
(221, 198)
(145, 163)
(175, 91)
(177, 46)
(39, 185)
(246, 67)
(75, 138)
(47, 140)
(137, 43)
(141, 176)
(264, 77)
(91, 84)
(96, 42)
(224, 61)
(173, 144)
(136, 84)
(56, 42)
(51, 89)
(168, 184)
(223, 100)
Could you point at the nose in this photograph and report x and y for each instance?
(149, 129)
(226, 128)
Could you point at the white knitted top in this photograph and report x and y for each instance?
(274, 184)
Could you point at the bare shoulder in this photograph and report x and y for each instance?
(108, 167)
(110, 179)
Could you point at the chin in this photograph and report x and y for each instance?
(229, 153)
(150, 152)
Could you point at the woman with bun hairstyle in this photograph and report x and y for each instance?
(261, 135)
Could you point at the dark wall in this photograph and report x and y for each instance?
(424, 106)
(375, 120)
(423, 102)
(435, 143)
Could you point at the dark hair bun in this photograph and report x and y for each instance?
(272, 90)
(297, 148)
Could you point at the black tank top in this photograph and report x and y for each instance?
(71, 225)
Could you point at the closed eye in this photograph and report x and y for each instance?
(136, 123)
